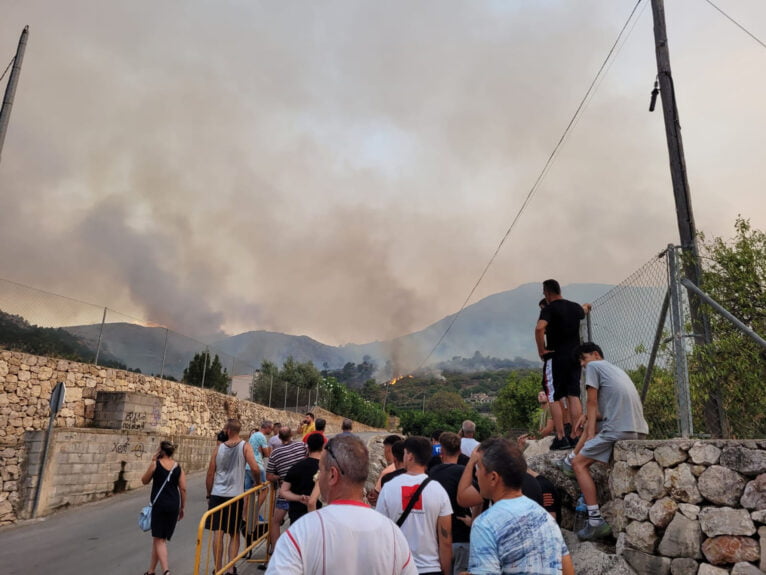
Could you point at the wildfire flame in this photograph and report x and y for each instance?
(399, 378)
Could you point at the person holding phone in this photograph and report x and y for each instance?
(169, 481)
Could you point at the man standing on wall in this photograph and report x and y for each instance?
(557, 335)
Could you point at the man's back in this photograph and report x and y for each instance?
(419, 528)
(285, 456)
(516, 536)
(257, 441)
(563, 329)
(342, 538)
(448, 475)
(618, 401)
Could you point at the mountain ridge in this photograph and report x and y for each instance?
(499, 325)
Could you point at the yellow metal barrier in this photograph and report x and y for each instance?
(221, 530)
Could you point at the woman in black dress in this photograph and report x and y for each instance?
(169, 507)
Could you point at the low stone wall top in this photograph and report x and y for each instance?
(682, 506)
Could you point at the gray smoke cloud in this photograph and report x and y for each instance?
(345, 169)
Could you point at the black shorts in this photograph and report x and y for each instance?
(226, 519)
(561, 376)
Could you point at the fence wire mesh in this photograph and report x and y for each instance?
(625, 322)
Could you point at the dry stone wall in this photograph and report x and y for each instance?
(185, 412)
(686, 506)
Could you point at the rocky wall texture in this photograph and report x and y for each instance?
(687, 506)
(681, 506)
(26, 382)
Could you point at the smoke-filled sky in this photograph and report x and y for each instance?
(345, 169)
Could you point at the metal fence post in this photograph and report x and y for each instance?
(164, 354)
(679, 346)
(100, 335)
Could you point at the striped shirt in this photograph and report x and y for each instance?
(284, 457)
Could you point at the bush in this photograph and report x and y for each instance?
(425, 423)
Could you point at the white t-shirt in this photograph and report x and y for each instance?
(420, 526)
(343, 537)
(467, 445)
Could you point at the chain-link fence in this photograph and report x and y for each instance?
(698, 374)
(625, 322)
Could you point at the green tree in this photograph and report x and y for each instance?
(446, 401)
(516, 404)
(214, 374)
(735, 276)
(415, 422)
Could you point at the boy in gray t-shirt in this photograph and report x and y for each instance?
(614, 412)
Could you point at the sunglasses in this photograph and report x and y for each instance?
(329, 450)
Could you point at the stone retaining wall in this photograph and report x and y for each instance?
(26, 382)
(686, 507)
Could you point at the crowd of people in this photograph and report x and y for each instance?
(447, 504)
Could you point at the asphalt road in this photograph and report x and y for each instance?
(100, 537)
(103, 537)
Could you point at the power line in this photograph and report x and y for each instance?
(538, 181)
(737, 24)
(7, 68)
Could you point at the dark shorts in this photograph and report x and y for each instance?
(226, 519)
(562, 376)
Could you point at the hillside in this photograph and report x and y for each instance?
(498, 326)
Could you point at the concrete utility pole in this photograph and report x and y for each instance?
(10, 89)
(684, 213)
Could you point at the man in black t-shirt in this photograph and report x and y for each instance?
(299, 481)
(557, 335)
(448, 473)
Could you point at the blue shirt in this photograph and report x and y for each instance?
(258, 440)
(516, 536)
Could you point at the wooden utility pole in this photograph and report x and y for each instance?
(10, 89)
(684, 213)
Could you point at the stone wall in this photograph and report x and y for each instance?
(187, 412)
(686, 506)
(89, 464)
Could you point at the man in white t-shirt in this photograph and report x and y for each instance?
(428, 527)
(468, 443)
(345, 536)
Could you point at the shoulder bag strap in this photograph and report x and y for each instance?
(164, 483)
(413, 500)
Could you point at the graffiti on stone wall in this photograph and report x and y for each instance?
(134, 421)
(124, 447)
(156, 416)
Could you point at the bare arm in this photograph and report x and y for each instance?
(313, 498)
(467, 496)
(255, 470)
(210, 477)
(592, 411)
(444, 535)
(182, 491)
(147, 476)
(567, 565)
(287, 495)
(540, 337)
